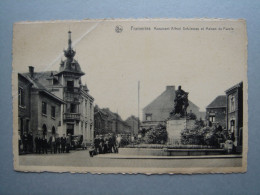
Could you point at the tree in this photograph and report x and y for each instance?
(156, 135)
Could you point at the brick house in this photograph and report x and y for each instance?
(39, 110)
(234, 119)
(216, 111)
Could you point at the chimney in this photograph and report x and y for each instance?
(171, 87)
(31, 71)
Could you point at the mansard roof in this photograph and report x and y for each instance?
(70, 66)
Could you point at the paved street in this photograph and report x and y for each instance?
(81, 158)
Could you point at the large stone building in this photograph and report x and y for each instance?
(216, 111)
(158, 110)
(77, 112)
(234, 118)
(39, 110)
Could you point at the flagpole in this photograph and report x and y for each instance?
(138, 105)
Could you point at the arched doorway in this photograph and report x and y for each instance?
(44, 130)
(53, 130)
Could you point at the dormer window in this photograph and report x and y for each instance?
(55, 81)
(73, 66)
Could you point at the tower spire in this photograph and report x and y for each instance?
(69, 53)
(69, 41)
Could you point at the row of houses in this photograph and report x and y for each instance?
(227, 111)
(107, 121)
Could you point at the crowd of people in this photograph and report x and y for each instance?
(105, 144)
(42, 145)
(102, 144)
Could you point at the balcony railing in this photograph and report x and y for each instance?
(72, 89)
(72, 97)
(72, 116)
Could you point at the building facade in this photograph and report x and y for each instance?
(158, 111)
(24, 104)
(101, 122)
(114, 123)
(77, 112)
(234, 119)
(39, 110)
(216, 111)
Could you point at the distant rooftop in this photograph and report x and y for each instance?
(218, 102)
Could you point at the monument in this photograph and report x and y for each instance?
(178, 120)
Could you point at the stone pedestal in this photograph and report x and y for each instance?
(174, 128)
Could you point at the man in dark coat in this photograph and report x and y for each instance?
(96, 144)
(25, 142)
(44, 145)
(37, 142)
(58, 144)
(30, 142)
(63, 143)
(68, 143)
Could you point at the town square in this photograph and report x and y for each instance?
(64, 121)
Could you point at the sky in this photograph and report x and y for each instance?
(205, 62)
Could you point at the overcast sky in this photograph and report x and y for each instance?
(205, 62)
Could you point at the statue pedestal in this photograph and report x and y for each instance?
(174, 128)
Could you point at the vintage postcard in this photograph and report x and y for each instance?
(152, 96)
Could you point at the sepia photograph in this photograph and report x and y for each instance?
(151, 96)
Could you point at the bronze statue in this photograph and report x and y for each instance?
(180, 103)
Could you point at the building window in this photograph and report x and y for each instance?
(53, 130)
(20, 97)
(90, 110)
(53, 111)
(232, 105)
(73, 108)
(44, 108)
(212, 119)
(148, 117)
(70, 86)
